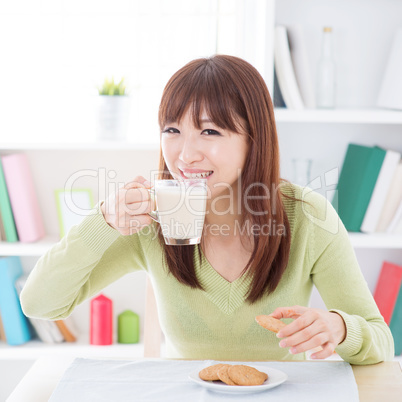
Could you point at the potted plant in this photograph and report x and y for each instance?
(114, 107)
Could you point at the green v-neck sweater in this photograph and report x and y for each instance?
(217, 322)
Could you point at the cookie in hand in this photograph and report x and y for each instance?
(270, 323)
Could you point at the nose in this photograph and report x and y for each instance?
(190, 151)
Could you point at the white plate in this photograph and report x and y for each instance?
(275, 378)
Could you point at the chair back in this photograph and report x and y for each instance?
(152, 329)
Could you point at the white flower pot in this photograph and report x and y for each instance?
(113, 116)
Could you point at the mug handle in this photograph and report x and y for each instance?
(153, 214)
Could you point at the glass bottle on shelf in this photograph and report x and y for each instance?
(326, 79)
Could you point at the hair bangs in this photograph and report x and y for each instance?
(206, 92)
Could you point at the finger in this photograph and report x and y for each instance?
(139, 181)
(301, 336)
(314, 342)
(288, 312)
(297, 325)
(327, 351)
(134, 195)
(138, 208)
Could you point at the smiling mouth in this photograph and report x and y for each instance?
(202, 175)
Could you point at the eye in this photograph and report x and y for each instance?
(171, 130)
(210, 132)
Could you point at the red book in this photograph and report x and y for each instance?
(23, 199)
(387, 289)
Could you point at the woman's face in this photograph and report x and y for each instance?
(209, 152)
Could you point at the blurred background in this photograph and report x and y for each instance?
(55, 53)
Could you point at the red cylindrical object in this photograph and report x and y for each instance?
(101, 328)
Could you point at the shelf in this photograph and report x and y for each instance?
(28, 249)
(376, 240)
(359, 240)
(76, 146)
(358, 116)
(35, 348)
(282, 115)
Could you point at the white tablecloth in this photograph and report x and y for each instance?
(117, 380)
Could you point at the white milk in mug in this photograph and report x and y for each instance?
(181, 208)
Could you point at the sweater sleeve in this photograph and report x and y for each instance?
(342, 286)
(90, 257)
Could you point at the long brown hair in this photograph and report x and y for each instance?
(230, 91)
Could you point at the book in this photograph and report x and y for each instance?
(7, 217)
(381, 188)
(46, 330)
(72, 206)
(24, 203)
(396, 324)
(387, 289)
(277, 95)
(284, 70)
(301, 65)
(359, 173)
(392, 200)
(16, 325)
(395, 225)
(65, 331)
(390, 95)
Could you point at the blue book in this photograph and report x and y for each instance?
(16, 325)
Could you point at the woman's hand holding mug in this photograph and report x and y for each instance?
(128, 209)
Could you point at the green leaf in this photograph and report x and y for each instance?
(111, 88)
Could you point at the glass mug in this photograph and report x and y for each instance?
(181, 206)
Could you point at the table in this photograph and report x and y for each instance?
(377, 382)
(11, 372)
(382, 381)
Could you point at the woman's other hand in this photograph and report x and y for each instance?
(127, 209)
(311, 328)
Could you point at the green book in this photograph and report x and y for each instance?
(396, 324)
(360, 170)
(6, 211)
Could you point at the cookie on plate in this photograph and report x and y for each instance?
(210, 373)
(224, 375)
(246, 375)
(270, 323)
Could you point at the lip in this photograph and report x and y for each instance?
(195, 171)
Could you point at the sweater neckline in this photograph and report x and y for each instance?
(227, 296)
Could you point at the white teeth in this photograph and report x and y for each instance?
(197, 175)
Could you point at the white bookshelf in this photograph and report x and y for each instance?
(82, 146)
(28, 249)
(376, 241)
(358, 240)
(346, 116)
(81, 348)
(322, 136)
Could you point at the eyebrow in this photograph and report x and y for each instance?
(201, 121)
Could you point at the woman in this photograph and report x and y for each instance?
(272, 244)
